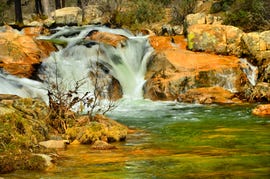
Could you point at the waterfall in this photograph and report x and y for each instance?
(250, 70)
(126, 62)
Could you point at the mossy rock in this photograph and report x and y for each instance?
(23, 125)
(101, 128)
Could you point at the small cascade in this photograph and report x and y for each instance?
(250, 70)
(22, 87)
(126, 62)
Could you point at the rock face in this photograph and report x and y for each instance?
(229, 40)
(218, 39)
(101, 128)
(20, 53)
(222, 39)
(68, 16)
(173, 71)
(262, 110)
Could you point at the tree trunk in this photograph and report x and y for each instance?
(38, 7)
(63, 3)
(18, 13)
(57, 4)
(79, 3)
(47, 9)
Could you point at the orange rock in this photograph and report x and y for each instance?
(20, 53)
(262, 110)
(173, 70)
(107, 38)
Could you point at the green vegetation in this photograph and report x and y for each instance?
(137, 14)
(249, 15)
(22, 127)
(180, 9)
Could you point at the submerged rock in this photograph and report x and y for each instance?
(101, 145)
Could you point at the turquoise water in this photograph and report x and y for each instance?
(172, 140)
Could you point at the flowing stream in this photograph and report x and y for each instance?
(172, 140)
(168, 139)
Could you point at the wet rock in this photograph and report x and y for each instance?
(20, 53)
(208, 96)
(173, 70)
(99, 128)
(68, 16)
(101, 145)
(262, 110)
(54, 144)
(107, 38)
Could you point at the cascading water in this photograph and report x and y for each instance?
(250, 70)
(126, 62)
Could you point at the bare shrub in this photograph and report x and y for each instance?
(64, 100)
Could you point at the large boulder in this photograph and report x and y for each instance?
(20, 53)
(257, 45)
(218, 39)
(68, 16)
(173, 70)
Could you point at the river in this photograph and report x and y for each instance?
(173, 140)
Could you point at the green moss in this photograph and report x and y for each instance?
(190, 39)
(60, 42)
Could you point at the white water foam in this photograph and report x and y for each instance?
(126, 63)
